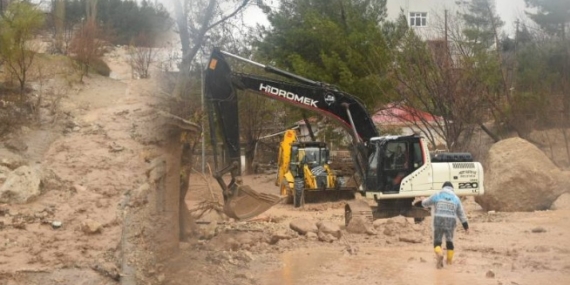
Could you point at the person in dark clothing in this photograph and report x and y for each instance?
(446, 209)
(399, 159)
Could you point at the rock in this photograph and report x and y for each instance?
(538, 230)
(245, 256)
(303, 226)
(328, 227)
(519, 177)
(91, 227)
(371, 231)
(161, 278)
(280, 235)
(139, 197)
(411, 239)
(21, 185)
(379, 223)
(243, 276)
(156, 169)
(107, 269)
(52, 181)
(398, 220)
(16, 144)
(4, 211)
(114, 147)
(311, 236)
(10, 159)
(208, 231)
(490, 274)
(325, 237)
(563, 179)
(56, 224)
(562, 202)
(4, 171)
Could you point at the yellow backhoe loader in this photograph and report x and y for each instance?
(304, 174)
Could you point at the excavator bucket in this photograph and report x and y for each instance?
(247, 203)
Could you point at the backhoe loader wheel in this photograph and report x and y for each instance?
(299, 193)
(288, 192)
(347, 215)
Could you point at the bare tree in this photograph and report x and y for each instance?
(87, 45)
(427, 79)
(142, 54)
(194, 20)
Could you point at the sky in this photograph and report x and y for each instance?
(510, 11)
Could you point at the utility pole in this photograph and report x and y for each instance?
(203, 137)
(447, 55)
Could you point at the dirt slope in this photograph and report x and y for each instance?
(91, 159)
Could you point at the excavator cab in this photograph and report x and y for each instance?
(392, 159)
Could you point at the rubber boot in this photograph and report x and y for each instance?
(439, 255)
(449, 256)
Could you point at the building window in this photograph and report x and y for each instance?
(418, 19)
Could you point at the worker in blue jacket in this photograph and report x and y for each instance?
(446, 209)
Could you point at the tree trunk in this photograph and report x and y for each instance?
(490, 133)
(187, 162)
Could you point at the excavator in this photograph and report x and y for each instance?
(392, 170)
(304, 174)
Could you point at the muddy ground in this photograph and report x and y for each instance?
(501, 248)
(96, 160)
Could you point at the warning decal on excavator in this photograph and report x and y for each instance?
(213, 63)
(329, 99)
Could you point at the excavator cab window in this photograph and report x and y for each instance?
(417, 155)
(397, 156)
(396, 165)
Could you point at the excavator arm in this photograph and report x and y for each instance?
(221, 85)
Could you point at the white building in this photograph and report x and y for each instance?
(426, 17)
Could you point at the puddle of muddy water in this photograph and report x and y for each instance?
(370, 266)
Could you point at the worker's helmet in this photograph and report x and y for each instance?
(447, 184)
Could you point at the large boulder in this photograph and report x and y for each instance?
(562, 202)
(21, 185)
(4, 171)
(330, 228)
(519, 177)
(303, 226)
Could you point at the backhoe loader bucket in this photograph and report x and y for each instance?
(329, 195)
(247, 203)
